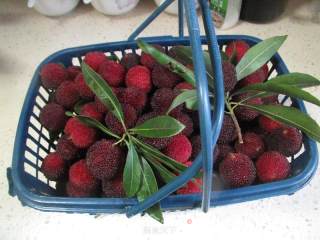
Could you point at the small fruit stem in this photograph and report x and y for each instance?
(120, 140)
(235, 121)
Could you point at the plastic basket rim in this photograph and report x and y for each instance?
(41, 202)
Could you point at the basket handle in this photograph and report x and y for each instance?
(207, 140)
(217, 117)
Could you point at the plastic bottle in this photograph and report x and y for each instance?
(173, 7)
(225, 13)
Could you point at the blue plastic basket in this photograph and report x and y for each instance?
(32, 142)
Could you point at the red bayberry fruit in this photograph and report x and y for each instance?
(82, 87)
(256, 77)
(53, 167)
(286, 140)
(238, 48)
(113, 188)
(193, 186)
(80, 134)
(112, 72)
(130, 60)
(67, 94)
(252, 145)
(237, 170)
(53, 117)
(229, 76)
(94, 59)
(139, 77)
(228, 130)
(272, 166)
(81, 178)
(90, 110)
(179, 148)
(268, 125)
(162, 77)
(73, 71)
(52, 75)
(244, 113)
(66, 148)
(104, 159)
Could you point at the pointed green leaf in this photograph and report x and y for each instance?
(192, 104)
(150, 151)
(258, 55)
(185, 96)
(168, 62)
(164, 159)
(103, 91)
(148, 187)
(156, 213)
(165, 174)
(290, 116)
(288, 90)
(185, 53)
(159, 127)
(90, 122)
(299, 80)
(77, 107)
(132, 171)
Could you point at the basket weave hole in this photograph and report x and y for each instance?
(28, 168)
(35, 123)
(44, 93)
(75, 61)
(40, 102)
(31, 157)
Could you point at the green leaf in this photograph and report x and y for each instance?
(185, 96)
(148, 187)
(168, 62)
(289, 90)
(90, 122)
(290, 116)
(258, 55)
(185, 53)
(155, 153)
(165, 174)
(192, 104)
(103, 91)
(159, 127)
(77, 107)
(299, 80)
(132, 171)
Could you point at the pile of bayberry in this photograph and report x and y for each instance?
(87, 163)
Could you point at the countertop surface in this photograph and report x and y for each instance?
(27, 37)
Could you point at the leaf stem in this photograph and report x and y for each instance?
(121, 139)
(235, 121)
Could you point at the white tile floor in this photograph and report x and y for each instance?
(26, 38)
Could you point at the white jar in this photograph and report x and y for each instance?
(113, 7)
(225, 13)
(53, 8)
(173, 8)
